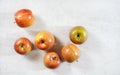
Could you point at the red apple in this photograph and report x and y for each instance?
(70, 52)
(51, 60)
(78, 35)
(24, 18)
(23, 45)
(44, 40)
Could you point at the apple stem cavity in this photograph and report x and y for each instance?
(42, 41)
(78, 35)
(22, 46)
(54, 58)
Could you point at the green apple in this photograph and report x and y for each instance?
(78, 35)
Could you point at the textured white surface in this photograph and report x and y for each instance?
(100, 54)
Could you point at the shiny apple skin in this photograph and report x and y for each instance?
(23, 46)
(78, 35)
(70, 53)
(24, 18)
(52, 60)
(44, 40)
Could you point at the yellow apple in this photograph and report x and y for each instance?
(44, 40)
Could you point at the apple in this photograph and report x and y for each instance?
(70, 52)
(23, 46)
(44, 40)
(78, 35)
(52, 60)
(24, 18)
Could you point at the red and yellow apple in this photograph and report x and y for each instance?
(24, 18)
(44, 40)
(78, 35)
(23, 46)
(51, 60)
(70, 52)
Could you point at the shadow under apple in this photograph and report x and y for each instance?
(57, 48)
(90, 53)
(33, 55)
(35, 59)
(38, 25)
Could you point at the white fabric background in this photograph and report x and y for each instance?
(99, 54)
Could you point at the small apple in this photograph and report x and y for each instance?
(23, 45)
(70, 52)
(24, 18)
(78, 35)
(51, 60)
(44, 40)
